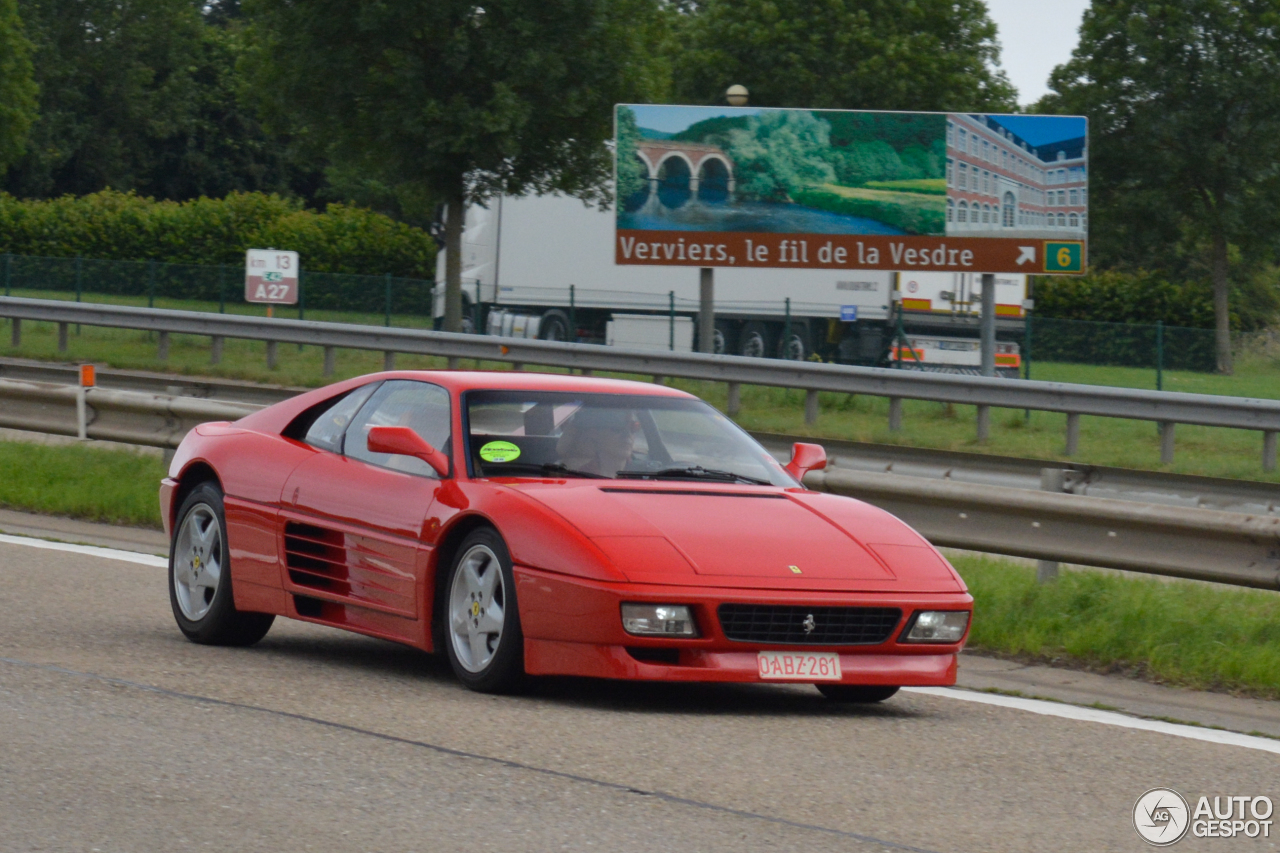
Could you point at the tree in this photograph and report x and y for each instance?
(462, 100)
(780, 152)
(1184, 107)
(843, 54)
(17, 87)
(632, 175)
(144, 96)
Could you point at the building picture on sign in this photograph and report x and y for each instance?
(1017, 176)
(741, 186)
(271, 276)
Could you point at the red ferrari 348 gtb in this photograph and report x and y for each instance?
(531, 524)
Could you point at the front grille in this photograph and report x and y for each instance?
(831, 626)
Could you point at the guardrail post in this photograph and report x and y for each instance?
(586, 371)
(810, 407)
(984, 424)
(659, 379)
(1051, 480)
(215, 350)
(1269, 451)
(388, 360)
(62, 337)
(517, 365)
(162, 351)
(895, 414)
(328, 361)
(1073, 434)
(17, 333)
(735, 399)
(271, 355)
(452, 362)
(1166, 442)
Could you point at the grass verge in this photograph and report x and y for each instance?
(113, 486)
(1184, 633)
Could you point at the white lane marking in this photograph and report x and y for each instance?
(1107, 718)
(89, 550)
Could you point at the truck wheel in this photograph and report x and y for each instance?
(794, 347)
(755, 340)
(725, 340)
(554, 326)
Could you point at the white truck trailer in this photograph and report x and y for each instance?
(543, 267)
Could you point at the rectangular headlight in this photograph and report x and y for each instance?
(658, 620)
(938, 626)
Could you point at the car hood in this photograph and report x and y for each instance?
(748, 537)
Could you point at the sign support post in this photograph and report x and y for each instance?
(987, 333)
(707, 310)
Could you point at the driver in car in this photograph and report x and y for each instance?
(598, 441)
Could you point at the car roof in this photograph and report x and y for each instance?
(275, 418)
(520, 380)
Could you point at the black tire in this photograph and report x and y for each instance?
(860, 693)
(756, 340)
(503, 672)
(555, 326)
(213, 619)
(795, 347)
(726, 340)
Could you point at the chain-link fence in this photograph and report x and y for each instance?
(86, 278)
(1154, 346)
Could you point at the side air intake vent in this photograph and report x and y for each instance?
(316, 557)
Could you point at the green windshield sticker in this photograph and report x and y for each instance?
(500, 451)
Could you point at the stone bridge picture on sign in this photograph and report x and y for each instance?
(845, 189)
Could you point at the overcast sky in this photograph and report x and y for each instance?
(1035, 36)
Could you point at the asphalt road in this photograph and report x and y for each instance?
(118, 735)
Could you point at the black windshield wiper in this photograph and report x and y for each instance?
(547, 468)
(692, 472)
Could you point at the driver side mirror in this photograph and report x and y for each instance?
(806, 458)
(403, 441)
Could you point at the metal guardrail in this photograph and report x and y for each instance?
(1194, 492)
(151, 420)
(1163, 407)
(1226, 547)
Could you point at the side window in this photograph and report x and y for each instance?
(327, 429)
(402, 402)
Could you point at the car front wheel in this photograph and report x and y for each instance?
(200, 576)
(482, 630)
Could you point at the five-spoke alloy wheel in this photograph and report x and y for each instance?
(200, 577)
(482, 624)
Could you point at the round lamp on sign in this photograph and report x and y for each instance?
(736, 95)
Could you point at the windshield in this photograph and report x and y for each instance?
(613, 436)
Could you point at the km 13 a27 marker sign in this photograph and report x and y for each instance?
(842, 189)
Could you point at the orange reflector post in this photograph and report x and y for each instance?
(87, 376)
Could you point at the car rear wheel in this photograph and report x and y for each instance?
(200, 576)
(862, 693)
(482, 630)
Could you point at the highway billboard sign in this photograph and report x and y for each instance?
(850, 189)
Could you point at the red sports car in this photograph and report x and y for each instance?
(531, 524)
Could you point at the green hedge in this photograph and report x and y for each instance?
(123, 226)
(918, 215)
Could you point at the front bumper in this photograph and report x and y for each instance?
(573, 626)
